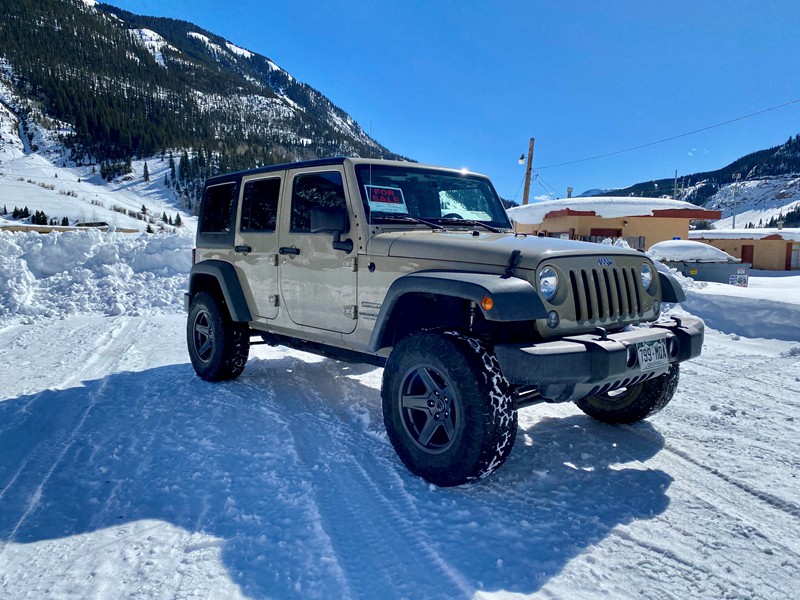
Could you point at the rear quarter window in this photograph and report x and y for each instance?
(217, 209)
(217, 215)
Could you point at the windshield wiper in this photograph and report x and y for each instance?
(473, 223)
(406, 219)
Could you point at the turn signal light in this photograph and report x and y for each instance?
(487, 303)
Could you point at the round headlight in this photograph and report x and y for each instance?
(548, 282)
(646, 274)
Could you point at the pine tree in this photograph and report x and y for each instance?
(149, 229)
(65, 222)
(146, 173)
(178, 222)
(164, 218)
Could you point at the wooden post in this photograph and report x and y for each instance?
(527, 191)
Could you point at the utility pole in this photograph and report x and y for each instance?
(527, 190)
(675, 187)
(736, 178)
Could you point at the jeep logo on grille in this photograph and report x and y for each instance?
(605, 262)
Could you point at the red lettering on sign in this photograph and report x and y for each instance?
(385, 195)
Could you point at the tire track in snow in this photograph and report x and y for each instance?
(60, 440)
(367, 528)
(725, 372)
(377, 539)
(685, 554)
(785, 506)
(665, 562)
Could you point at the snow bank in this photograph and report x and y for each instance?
(676, 250)
(769, 308)
(68, 273)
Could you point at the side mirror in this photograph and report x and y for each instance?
(332, 219)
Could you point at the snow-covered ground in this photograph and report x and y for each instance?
(123, 475)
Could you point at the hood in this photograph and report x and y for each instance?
(485, 248)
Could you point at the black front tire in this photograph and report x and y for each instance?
(633, 403)
(218, 346)
(447, 408)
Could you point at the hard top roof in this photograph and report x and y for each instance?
(323, 162)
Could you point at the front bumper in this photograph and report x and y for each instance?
(584, 365)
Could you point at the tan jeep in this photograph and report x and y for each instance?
(417, 269)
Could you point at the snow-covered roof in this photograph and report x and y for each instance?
(607, 207)
(791, 234)
(678, 250)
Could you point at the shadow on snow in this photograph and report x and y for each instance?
(290, 466)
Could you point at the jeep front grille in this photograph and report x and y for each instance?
(606, 293)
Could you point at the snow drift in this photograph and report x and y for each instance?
(63, 274)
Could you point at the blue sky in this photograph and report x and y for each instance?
(466, 84)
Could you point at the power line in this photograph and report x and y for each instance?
(674, 137)
(544, 185)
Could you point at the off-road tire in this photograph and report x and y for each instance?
(634, 403)
(447, 408)
(218, 346)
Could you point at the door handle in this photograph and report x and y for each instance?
(293, 251)
(244, 248)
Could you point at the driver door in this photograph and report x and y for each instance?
(318, 282)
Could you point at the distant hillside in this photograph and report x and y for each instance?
(700, 187)
(117, 86)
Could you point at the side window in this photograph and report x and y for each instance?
(314, 189)
(260, 205)
(218, 206)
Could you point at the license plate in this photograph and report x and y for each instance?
(652, 355)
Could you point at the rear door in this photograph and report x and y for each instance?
(257, 242)
(317, 282)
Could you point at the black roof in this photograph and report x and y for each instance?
(317, 162)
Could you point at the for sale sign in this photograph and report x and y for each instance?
(386, 199)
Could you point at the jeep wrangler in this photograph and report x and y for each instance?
(417, 269)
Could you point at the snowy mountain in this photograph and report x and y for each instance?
(43, 182)
(756, 201)
(758, 187)
(111, 85)
(699, 188)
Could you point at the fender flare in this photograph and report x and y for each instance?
(228, 281)
(671, 290)
(514, 299)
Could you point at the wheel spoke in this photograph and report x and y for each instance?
(205, 348)
(447, 424)
(416, 402)
(202, 329)
(430, 384)
(431, 425)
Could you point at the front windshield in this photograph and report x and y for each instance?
(399, 193)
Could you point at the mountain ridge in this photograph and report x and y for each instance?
(118, 86)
